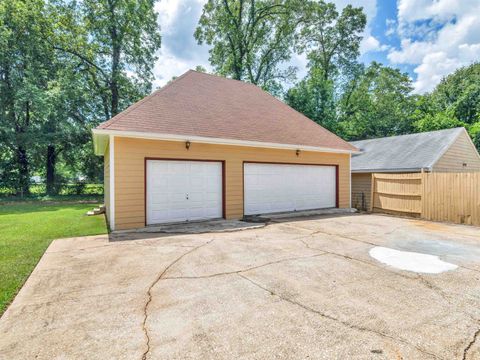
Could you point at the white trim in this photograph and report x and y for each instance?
(112, 182)
(350, 193)
(212, 140)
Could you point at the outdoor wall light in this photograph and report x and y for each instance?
(187, 144)
(297, 152)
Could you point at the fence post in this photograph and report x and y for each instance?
(372, 190)
(422, 194)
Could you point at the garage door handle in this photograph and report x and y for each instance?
(186, 196)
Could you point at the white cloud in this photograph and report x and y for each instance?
(370, 43)
(438, 37)
(180, 51)
(412, 10)
(391, 27)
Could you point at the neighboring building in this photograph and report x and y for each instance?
(207, 147)
(435, 151)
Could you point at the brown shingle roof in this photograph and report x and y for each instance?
(198, 104)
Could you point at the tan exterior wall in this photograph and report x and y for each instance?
(129, 172)
(361, 191)
(106, 181)
(459, 153)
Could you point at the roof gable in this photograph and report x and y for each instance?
(403, 153)
(202, 105)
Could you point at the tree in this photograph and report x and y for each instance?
(111, 44)
(116, 41)
(454, 102)
(250, 39)
(331, 41)
(64, 67)
(24, 74)
(314, 97)
(200, 68)
(460, 92)
(378, 103)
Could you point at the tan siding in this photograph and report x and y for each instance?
(129, 172)
(361, 190)
(459, 153)
(106, 181)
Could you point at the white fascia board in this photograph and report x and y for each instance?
(211, 140)
(350, 170)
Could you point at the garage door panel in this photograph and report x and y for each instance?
(183, 190)
(280, 187)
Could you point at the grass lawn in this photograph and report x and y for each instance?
(26, 230)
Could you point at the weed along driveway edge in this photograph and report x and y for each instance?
(297, 288)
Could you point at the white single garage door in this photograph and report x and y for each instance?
(183, 191)
(271, 188)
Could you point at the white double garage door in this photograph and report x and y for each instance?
(178, 190)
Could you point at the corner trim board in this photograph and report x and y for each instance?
(111, 221)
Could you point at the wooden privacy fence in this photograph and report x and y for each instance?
(451, 197)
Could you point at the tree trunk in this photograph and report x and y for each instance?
(50, 167)
(116, 50)
(23, 188)
(22, 159)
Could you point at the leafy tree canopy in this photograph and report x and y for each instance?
(378, 102)
(250, 39)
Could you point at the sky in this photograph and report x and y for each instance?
(428, 39)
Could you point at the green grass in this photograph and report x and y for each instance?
(26, 230)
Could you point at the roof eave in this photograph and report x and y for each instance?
(98, 134)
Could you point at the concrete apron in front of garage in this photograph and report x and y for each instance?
(222, 225)
(297, 288)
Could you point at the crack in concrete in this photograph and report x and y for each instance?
(244, 270)
(326, 233)
(344, 323)
(468, 268)
(149, 294)
(470, 344)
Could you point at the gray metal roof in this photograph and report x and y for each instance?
(403, 153)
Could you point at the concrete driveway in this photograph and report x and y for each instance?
(298, 289)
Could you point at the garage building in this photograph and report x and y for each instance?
(206, 147)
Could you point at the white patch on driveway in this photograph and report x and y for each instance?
(411, 261)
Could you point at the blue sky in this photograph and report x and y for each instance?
(427, 39)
